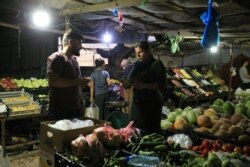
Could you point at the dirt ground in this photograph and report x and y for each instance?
(29, 159)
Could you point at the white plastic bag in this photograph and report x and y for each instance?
(92, 111)
(182, 139)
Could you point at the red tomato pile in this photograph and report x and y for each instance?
(207, 146)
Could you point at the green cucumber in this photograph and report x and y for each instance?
(147, 153)
(160, 147)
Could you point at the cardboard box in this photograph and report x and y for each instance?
(53, 140)
(46, 159)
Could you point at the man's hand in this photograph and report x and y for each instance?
(83, 82)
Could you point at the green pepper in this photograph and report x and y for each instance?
(213, 159)
(226, 163)
(188, 153)
(198, 161)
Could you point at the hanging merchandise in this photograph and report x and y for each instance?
(175, 40)
(210, 36)
(118, 14)
(120, 18)
(115, 12)
(143, 3)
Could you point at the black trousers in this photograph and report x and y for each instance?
(55, 114)
(100, 102)
(146, 115)
(245, 86)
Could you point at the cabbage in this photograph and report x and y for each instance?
(165, 124)
(171, 116)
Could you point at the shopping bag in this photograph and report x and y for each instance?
(92, 111)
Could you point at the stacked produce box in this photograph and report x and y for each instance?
(20, 102)
(33, 87)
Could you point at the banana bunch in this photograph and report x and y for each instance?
(24, 108)
(196, 73)
(185, 74)
(21, 98)
(114, 81)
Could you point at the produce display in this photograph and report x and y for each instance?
(207, 146)
(22, 108)
(219, 140)
(14, 100)
(224, 120)
(93, 144)
(189, 84)
(240, 94)
(31, 83)
(12, 94)
(153, 150)
(229, 108)
(11, 84)
(20, 102)
(8, 84)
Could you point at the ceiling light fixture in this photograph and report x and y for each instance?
(41, 18)
(107, 38)
(214, 49)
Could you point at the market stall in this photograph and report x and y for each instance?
(205, 119)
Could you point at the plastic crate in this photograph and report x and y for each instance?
(64, 160)
(68, 160)
(53, 140)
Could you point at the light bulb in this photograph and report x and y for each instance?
(107, 37)
(214, 49)
(41, 18)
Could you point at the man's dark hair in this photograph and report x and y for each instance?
(99, 62)
(70, 34)
(143, 45)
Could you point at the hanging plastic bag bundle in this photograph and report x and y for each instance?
(92, 111)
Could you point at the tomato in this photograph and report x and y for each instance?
(205, 151)
(206, 144)
(224, 148)
(230, 147)
(202, 147)
(219, 142)
(246, 150)
(216, 147)
(196, 148)
(203, 155)
(237, 149)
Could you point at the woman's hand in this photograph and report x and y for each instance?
(91, 100)
(126, 83)
(82, 82)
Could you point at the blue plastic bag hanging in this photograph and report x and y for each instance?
(115, 12)
(210, 36)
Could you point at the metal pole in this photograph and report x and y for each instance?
(230, 75)
(67, 24)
